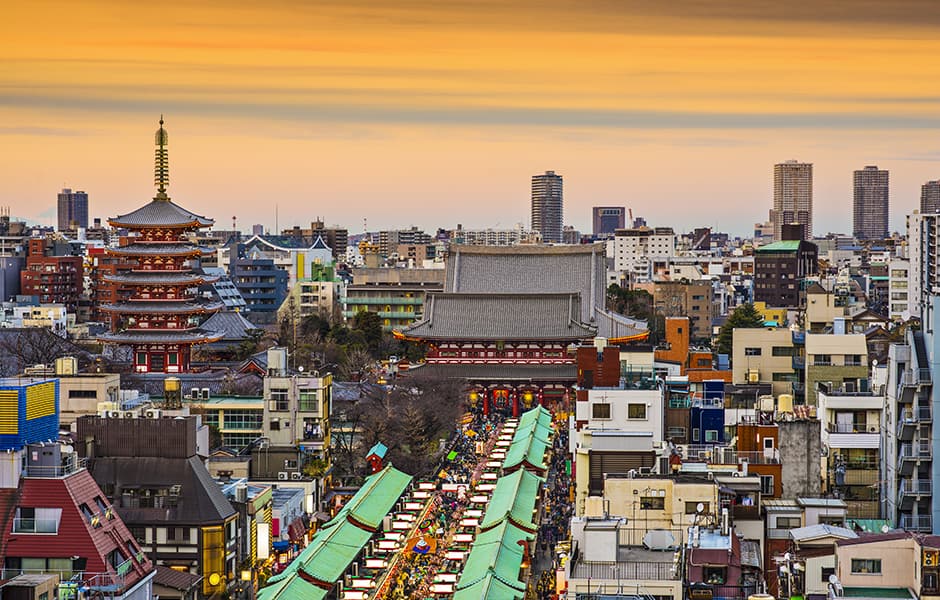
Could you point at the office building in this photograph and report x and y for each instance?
(73, 210)
(930, 197)
(608, 219)
(870, 205)
(547, 206)
(793, 197)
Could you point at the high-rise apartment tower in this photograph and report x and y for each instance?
(547, 206)
(73, 210)
(793, 197)
(870, 206)
(930, 197)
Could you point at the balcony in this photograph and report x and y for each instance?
(21, 525)
(726, 455)
(912, 490)
(915, 523)
(798, 338)
(798, 363)
(745, 513)
(70, 464)
(910, 454)
(915, 377)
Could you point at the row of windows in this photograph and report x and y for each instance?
(601, 410)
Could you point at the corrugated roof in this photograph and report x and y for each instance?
(502, 317)
(374, 499)
(160, 213)
(815, 532)
(530, 441)
(784, 246)
(174, 579)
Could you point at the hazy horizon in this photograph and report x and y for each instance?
(431, 114)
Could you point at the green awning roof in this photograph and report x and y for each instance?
(513, 499)
(374, 499)
(340, 540)
(495, 554)
(528, 445)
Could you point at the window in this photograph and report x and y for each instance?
(83, 394)
(242, 419)
(711, 435)
(177, 534)
(652, 503)
(767, 485)
(139, 532)
(275, 425)
(692, 507)
(290, 464)
(822, 360)
(784, 377)
(695, 435)
(871, 566)
(715, 575)
(768, 443)
(675, 433)
(782, 351)
(600, 410)
(826, 573)
(308, 400)
(278, 399)
(636, 411)
(789, 522)
(752, 352)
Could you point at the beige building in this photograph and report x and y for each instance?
(653, 503)
(765, 355)
(793, 197)
(841, 360)
(891, 562)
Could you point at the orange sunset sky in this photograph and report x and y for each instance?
(408, 112)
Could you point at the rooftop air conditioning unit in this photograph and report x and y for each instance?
(113, 414)
(129, 414)
(297, 476)
(153, 413)
(753, 376)
(282, 476)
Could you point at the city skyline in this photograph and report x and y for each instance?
(359, 110)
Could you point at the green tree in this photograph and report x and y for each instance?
(744, 316)
(370, 325)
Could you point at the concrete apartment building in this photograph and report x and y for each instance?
(841, 360)
(692, 299)
(766, 355)
(639, 253)
(793, 198)
(548, 206)
(870, 204)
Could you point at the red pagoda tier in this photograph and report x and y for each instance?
(157, 311)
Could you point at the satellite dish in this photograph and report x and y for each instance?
(833, 579)
(300, 368)
(884, 529)
(699, 507)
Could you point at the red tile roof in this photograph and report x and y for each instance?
(76, 535)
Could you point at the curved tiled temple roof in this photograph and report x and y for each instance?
(502, 317)
(160, 213)
(159, 278)
(163, 307)
(149, 249)
(161, 336)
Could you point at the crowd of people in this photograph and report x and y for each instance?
(462, 464)
(557, 509)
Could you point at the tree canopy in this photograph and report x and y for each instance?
(745, 317)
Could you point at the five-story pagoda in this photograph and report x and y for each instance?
(157, 311)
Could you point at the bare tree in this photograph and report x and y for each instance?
(21, 348)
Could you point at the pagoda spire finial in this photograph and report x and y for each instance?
(161, 168)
